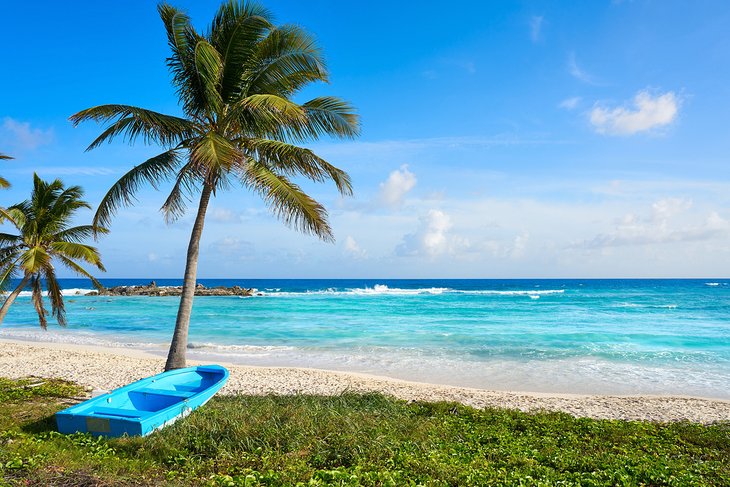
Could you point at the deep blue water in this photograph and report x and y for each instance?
(595, 336)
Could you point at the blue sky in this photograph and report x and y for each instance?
(500, 139)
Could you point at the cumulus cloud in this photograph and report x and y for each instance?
(570, 103)
(398, 184)
(536, 23)
(648, 112)
(353, 249)
(431, 238)
(23, 136)
(668, 222)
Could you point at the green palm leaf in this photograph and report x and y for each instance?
(153, 171)
(292, 160)
(288, 202)
(133, 122)
(37, 299)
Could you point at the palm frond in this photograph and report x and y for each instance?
(265, 115)
(132, 122)
(4, 183)
(174, 206)
(78, 251)
(292, 160)
(213, 155)
(13, 215)
(79, 270)
(5, 157)
(331, 116)
(285, 61)
(209, 68)
(79, 233)
(235, 32)
(287, 201)
(182, 38)
(34, 259)
(37, 298)
(9, 258)
(153, 171)
(55, 296)
(8, 239)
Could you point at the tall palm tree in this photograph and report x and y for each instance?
(4, 183)
(43, 222)
(239, 125)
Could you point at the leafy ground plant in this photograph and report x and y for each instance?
(357, 439)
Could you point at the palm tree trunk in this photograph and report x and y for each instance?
(11, 298)
(179, 344)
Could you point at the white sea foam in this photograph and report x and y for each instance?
(65, 292)
(215, 347)
(76, 337)
(544, 292)
(383, 289)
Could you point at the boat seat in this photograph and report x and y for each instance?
(165, 392)
(120, 412)
(189, 388)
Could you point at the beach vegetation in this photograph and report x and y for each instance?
(4, 183)
(358, 439)
(46, 235)
(240, 126)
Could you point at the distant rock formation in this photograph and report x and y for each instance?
(152, 289)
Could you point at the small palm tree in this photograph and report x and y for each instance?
(239, 126)
(43, 222)
(4, 183)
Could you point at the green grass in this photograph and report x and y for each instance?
(355, 439)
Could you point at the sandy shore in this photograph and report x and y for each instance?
(108, 368)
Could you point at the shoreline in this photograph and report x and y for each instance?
(108, 368)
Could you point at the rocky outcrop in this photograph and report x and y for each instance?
(152, 289)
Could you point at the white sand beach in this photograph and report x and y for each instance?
(108, 368)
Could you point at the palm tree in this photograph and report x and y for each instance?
(43, 222)
(239, 126)
(4, 183)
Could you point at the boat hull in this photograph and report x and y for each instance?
(144, 406)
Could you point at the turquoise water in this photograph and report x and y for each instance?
(583, 336)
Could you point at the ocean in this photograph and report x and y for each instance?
(603, 336)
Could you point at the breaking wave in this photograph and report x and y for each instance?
(383, 289)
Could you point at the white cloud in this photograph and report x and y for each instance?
(669, 221)
(579, 73)
(152, 257)
(224, 215)
(231, 245)
(536, 23)
(22, 136)
(398, 184)
(431, 238)
(648, 112)
(353, 249)
(519, 245)
(570, 103)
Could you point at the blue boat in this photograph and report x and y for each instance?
(146, 405)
